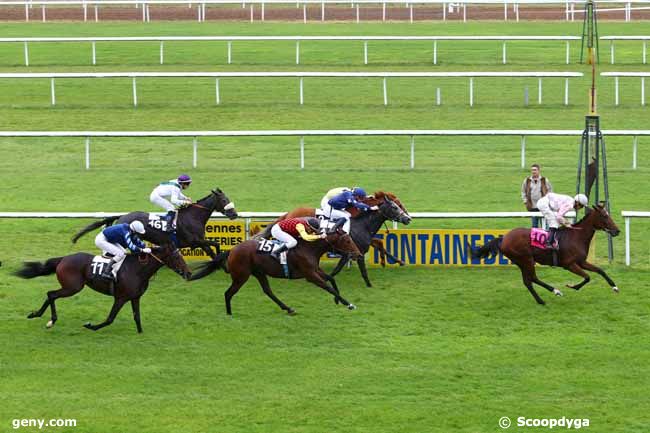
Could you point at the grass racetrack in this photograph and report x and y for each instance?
(429, 349)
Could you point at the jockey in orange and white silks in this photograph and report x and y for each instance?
(555, 206)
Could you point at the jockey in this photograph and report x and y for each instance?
(344, 200)
(324, 202)
(286, 231)
(116, 239)
(171, 189)
(554, 206)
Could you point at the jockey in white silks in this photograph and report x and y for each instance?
(344, 200)
(172, 189)
(554, 207)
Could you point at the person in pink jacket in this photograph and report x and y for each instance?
(554, 206)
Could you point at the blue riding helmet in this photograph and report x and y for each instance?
(359, 192)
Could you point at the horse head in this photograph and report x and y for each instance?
(391, 208)
(341, 242)
(171, 256)
(220, 202)
(603, 221)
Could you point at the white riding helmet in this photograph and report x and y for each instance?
(137, 227)
(581, 199)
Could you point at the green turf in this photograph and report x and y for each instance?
(429, 350)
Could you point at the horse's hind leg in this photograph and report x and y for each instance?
(578, 271)
(331, 280)
(593, 268)
(264, 282)
(52, 295)
(528, 274)
(117, 306)
(135, 306)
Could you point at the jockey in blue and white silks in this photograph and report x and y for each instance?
(117, 239)
(347, 199)
(173, 190)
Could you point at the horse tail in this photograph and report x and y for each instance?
(38, 269)
(106, 221)
(205, 269)
(492, 248)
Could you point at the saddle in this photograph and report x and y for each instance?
(98, 268)
(265, 247)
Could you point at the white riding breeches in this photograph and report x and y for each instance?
(549, 215)
(161, 202)
(283, 236)
(117, 250)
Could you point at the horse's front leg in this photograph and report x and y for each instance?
(361, 262)
(593, 268)
(214, 244)
(573, 267)
(117, 306)
(316, 279)
(205, 246)
(342, 262)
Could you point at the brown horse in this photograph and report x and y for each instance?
(303, 262)
(74, 272)
(572, 255)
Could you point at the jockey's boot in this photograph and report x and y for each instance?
(278, 250)
(169, 217)
(107, 271)
(339, 223)
(551, 243)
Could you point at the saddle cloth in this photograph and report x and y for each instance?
(265, 247)
(155, 221)
(538, 238)
(98, 263)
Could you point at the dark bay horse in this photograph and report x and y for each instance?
(243, 261)
(190, 231)
(74, 272)
(363, 226)
(574, 247)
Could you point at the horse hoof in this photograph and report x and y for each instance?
(88, 326)
(572, 287)
(352, 307)
(615, 289)
(556, 292)
(291, 312)
(49, 324)
(31, 315)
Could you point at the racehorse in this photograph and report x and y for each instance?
(363, 226)
(190, 231)
(244, 260)
(572, 255)
(74, 271)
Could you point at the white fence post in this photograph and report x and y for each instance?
(611, 51)
(504, 51)
(301, 91)
(302, 152)
(94, 54)
(43, 12)
(216, 89)
(87, 153)
(322, 11)
(634, 150)
(385, 93)
(412, 152)
(230, 51)
(438, 101)
(135, 94)
(627, 241)
(297, 52)
(642, 91)
(357, 13)
(383, 11)
(471, 91)
(161, 52)
(523, 151)
(26, 13)
(644, 52)
(365, 52)
(52, 92)
(194, 151)
(263, 11)
(539, 90)
(615, 90)
(96, 14)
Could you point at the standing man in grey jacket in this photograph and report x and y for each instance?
(533, 188)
